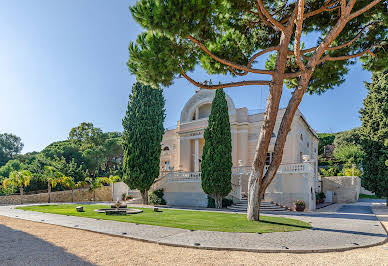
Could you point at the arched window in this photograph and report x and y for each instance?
(204, 110)
(166, 148)
(301, 137)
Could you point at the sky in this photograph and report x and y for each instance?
(63, 62)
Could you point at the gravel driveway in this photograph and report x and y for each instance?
(30, 243)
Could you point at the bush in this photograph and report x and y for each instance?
(300, 203)
(320, 195)
(212, 204)
(331, 171)
(124, 196)
(156, 197)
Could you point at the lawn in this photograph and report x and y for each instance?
(192, 220)
(365, 196)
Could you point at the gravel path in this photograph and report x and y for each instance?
(30, 243)
(352, 226)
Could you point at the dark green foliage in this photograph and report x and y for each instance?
(231, 31)
(156, 197)
(374, 132)
(212, 204)
(349, 137)
(86, 134)
(325, 139)
(85, 155)
(217, 152)
(10, 145)
(143, 132)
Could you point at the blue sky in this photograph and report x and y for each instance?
(64, 62)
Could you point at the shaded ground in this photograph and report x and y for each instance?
(44, 244)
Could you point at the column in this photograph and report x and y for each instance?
(196, 155)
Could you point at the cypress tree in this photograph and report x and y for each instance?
(374, 132)
(143, 132)
(217, 152)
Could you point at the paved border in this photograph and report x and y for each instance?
(331, 231)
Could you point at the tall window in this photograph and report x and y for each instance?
(166, 166)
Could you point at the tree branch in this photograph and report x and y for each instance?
(345, 57)
(270, 49)
(252, 59)
(225, 85)
(276, 25)
(327, 6)
(362, 10)
(227, 62)
(354, 39)
(298, 33)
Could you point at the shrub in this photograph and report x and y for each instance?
(331, 171)
(212, 204)
(300, 203)
(156, 197)
(123, 196)
(320, 195)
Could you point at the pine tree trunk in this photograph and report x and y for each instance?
(144, 196)
(253, 201)
(21, 195)
(49, 192)
(218, 201)
(266, 130)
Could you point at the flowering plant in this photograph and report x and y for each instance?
(300, 203)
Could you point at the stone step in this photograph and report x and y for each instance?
(265, 206)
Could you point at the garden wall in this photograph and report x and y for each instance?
(346, 189)
(80, 195)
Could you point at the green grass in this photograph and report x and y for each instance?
(365, 196)
(192, 220)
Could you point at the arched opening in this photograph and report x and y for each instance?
(204, 110)
(166, 148)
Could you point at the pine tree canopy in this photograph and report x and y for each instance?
(143, 132)
(217, 152)
(177, 32)
(374, 132)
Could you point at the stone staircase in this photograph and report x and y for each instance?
(242, 206)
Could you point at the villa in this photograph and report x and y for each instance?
(180, 161)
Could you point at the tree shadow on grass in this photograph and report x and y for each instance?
(20, 248)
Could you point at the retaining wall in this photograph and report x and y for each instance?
(346, 189)
(80, 195)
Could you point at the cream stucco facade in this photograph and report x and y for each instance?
(180, 160)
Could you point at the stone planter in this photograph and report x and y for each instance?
(300, 208)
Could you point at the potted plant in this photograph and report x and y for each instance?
(123, 196)
(300, 205)
(317, 198)
(322, 197)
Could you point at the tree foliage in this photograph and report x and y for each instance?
(143, 132)
(10, 145)
(374, 132)
(324, 140)
(217, 152)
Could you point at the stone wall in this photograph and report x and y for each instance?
(80, 195)
(346, 189)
